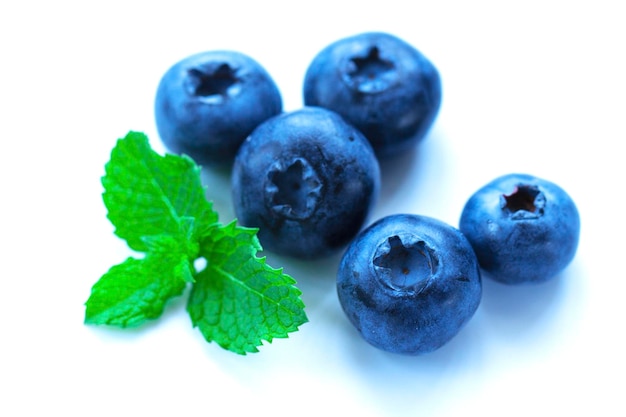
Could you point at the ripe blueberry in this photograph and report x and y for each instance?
(208, 103)
(307, 180)
(409, 283)
(522, 228)
(379, 83)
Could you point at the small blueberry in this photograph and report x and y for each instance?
(208, 103)
(379, 83)
(409, 283)
(307, 180)
(522, 228)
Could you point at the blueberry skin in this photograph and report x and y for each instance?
(307, 180)
(523, 229)
(208, 103)
(379, 83)
(409, 283)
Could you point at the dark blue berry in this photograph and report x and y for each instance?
(523, 228)
(409, 283)
(379, 83)
(307, 180)
(208, 103)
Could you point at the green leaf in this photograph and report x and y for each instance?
(147, 194)
(158, 205)
(169, 246)
(137, 289)
(238, 300)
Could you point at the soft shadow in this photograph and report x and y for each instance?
(397, 171)
(315, 278)
(411, 174)
(218, 190)
(514, 310)
(405, 381)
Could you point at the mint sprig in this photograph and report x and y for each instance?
(158, 206)
(239, 300)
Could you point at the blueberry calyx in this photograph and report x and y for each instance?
(370, 73)
(525, 202)
(293, 189)
(213, 85)
(405, 263)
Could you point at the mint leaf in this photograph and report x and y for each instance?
(147, 194)
(238, 300)
(158, 205)
(168, 246)
(137, 290)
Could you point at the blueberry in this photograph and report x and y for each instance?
(307, 180)
(522, 228)
(409, 283)
(379, 83)
(208, 103)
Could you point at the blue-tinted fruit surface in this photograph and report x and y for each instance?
(307, 180)
(208, 103)
(523, 229)
(381, 84)
(409, 283)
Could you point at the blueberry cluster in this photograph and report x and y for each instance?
(308, 179)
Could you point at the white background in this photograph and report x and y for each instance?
(535, 86)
